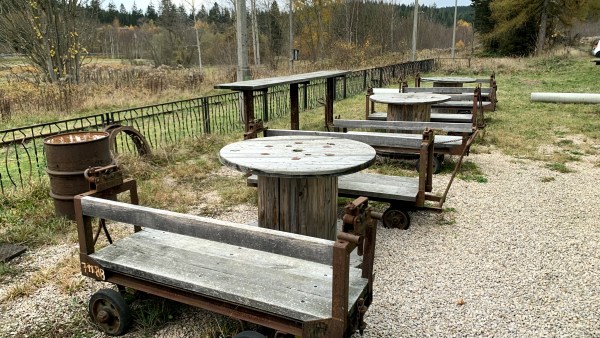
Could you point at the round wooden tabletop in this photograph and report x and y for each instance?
(298, 156)
(449, 79)
(409, 98)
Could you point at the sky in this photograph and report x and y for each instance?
(143, 4)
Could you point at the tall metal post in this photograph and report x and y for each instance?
(414, 35)
(454, 28)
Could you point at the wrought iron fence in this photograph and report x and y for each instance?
(22, 151)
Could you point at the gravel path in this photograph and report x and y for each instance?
(516, 256)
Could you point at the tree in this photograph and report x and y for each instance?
(536, 19)
(48, 33)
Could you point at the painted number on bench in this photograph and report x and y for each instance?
(93, 269)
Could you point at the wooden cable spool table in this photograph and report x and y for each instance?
(409, 106)
(298, 178)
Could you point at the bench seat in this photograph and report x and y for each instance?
(286, 286)
(377, 187)
(435, 117)
(459, 105)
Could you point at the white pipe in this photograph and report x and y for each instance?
(565, 97)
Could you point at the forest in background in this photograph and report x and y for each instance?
(352, 31)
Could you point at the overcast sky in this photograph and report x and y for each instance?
(143, 4)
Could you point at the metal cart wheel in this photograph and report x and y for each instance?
(437, 164)
(110, 312)
(396, 218)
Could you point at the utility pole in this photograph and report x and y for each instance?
(291, 40)
(243, 72)
(414, 35)
(454, 29)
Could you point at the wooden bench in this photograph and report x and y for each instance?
(464, 130)
(382, 141)
(460, 96)
(295, 284)
(472, 110)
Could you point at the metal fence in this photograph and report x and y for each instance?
(22, 151)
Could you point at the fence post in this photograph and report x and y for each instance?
(380, 77)
(345, 87)
(205, 115)
(266, 105)
(364, 79)
(305, 95)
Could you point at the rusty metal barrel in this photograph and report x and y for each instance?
(68, 156)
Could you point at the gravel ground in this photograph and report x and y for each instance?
(516, 256)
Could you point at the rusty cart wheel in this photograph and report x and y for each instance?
(396, 218)
(110, 312)
(437, 164)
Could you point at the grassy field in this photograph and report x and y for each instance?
(177, 177)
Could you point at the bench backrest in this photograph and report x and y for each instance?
(273, 241)
(410, 141)
(444, 90)
(404, 125)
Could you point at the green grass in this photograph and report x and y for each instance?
(27, 217)
(560, 167)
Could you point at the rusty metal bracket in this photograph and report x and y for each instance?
(102, 178)
(254, 127)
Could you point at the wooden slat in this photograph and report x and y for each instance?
(459, 104)
(385, 90)
(372, 139)
(273, 241)
(435, 117)
(277, 284)
(374, 186)
(459, 118)
(404, 125)
(281, 80)
(440, 141)
(444, 90)
(379, 187)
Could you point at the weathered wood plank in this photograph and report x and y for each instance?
(281, 80)
(278, 284)
(435, 117)
(460, 104)
(379, 187)
(278, 242)
(404, 125)
(445, 90)
(305, 206)
(381, 140)
(374, 186)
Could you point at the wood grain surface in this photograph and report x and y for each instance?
(298, 156)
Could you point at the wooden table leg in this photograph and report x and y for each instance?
(294, 109)
(248, 99)
(329, 97)
(306, 206)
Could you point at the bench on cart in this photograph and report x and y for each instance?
(295, 284)
(470, 106)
